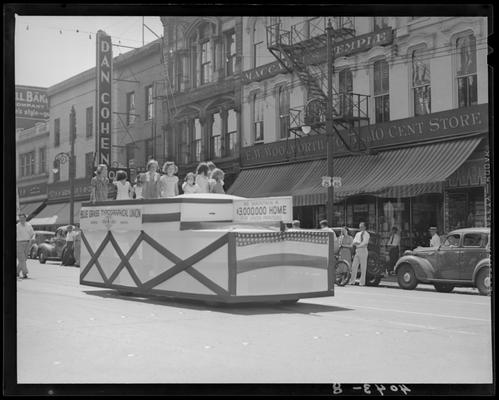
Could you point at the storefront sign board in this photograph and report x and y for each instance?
(114, 218)
(265, 209)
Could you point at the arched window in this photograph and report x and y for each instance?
(197, 140)
(421, 82)
(216, 137)
(260, 53)
(258, 106)
(231, 132)
(466, 71)
(381, 92)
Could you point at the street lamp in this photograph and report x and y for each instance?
(63, 158)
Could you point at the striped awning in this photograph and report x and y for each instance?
(30, 208)
(404, 172)
(57, 214)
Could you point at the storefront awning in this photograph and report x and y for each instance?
(30, 208)
(404, 172)
(57, 214)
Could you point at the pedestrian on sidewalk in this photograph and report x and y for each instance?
(25, 236)
(360, 242)
(325, 227)
(77, 246)
(345, 241)
(69, 258)
(393, 246)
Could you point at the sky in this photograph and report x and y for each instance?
(51, 49)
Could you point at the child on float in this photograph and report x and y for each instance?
(169, 181)
(98, 184)
(202, 177)
(211, 167)
(217, 181)
(190, 185)
(137, 188)
(122, 186)
(150, 185)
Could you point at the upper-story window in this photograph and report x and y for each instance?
(42, 160)
(230, 52)
(380, 23)
(345, 92)
(130, 108)
(57, 169)
(27, 164)
(184, 142)
(194, 62)
(258, 107)
(205, 62)
(149, 150)
(216, 137)
(260, 54)
(89, 122)
(57, 132)
(381, 92)
(149, 103)
(231, 137)
(283, 101)
(197, 140)
(466, 71)
(89, 164)
(421, 82)
(179, 74)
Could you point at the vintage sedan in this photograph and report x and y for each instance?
(54, 248)
(463, 259)
(40, 237)
(374, 269)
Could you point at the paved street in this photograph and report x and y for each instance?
(69, 333)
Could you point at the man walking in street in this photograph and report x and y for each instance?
(24, 238)
(360, 242)
(393, 249)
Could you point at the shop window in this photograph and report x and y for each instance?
(381, 92)
(230, 52)
(361, 209)
(130, 108)
(421, 82)
(283, 121)
(466, 208)
(57, 132)
(258, 107)
(466, 71)
(149, 103)
(426, 212)
(89, 122)
(394, 212)
(216, 137)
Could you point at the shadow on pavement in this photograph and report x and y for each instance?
(429, 288)
(239, 309)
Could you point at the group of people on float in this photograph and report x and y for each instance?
(153, 185)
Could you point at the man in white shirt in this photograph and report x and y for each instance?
(24, 238)
(360, 242)
(393, 245)
(325, 227)
(435, 239)
(70, 238)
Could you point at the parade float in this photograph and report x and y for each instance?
(209, 247)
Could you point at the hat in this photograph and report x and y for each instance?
(432, 228)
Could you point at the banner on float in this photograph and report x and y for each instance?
(115, 218)
(265, 209)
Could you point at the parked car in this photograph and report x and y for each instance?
(54, 248)
(463, 259)
(40, 237)
(374, 269)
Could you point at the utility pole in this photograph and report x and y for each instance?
(329, 122)
(72, 136)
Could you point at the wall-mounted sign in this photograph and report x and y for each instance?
(61, 190)
(114, 218)
(104, 68)
(265, 209)
(263, 72)
(457, 122)
(32, 106)
(33, 190)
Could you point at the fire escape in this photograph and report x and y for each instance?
(302, 50)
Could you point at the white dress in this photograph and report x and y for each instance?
(123, 190)
(168, 184)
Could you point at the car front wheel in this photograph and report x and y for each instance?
(406, 277)
(443, 287)
(43, 257)
(483, 281)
